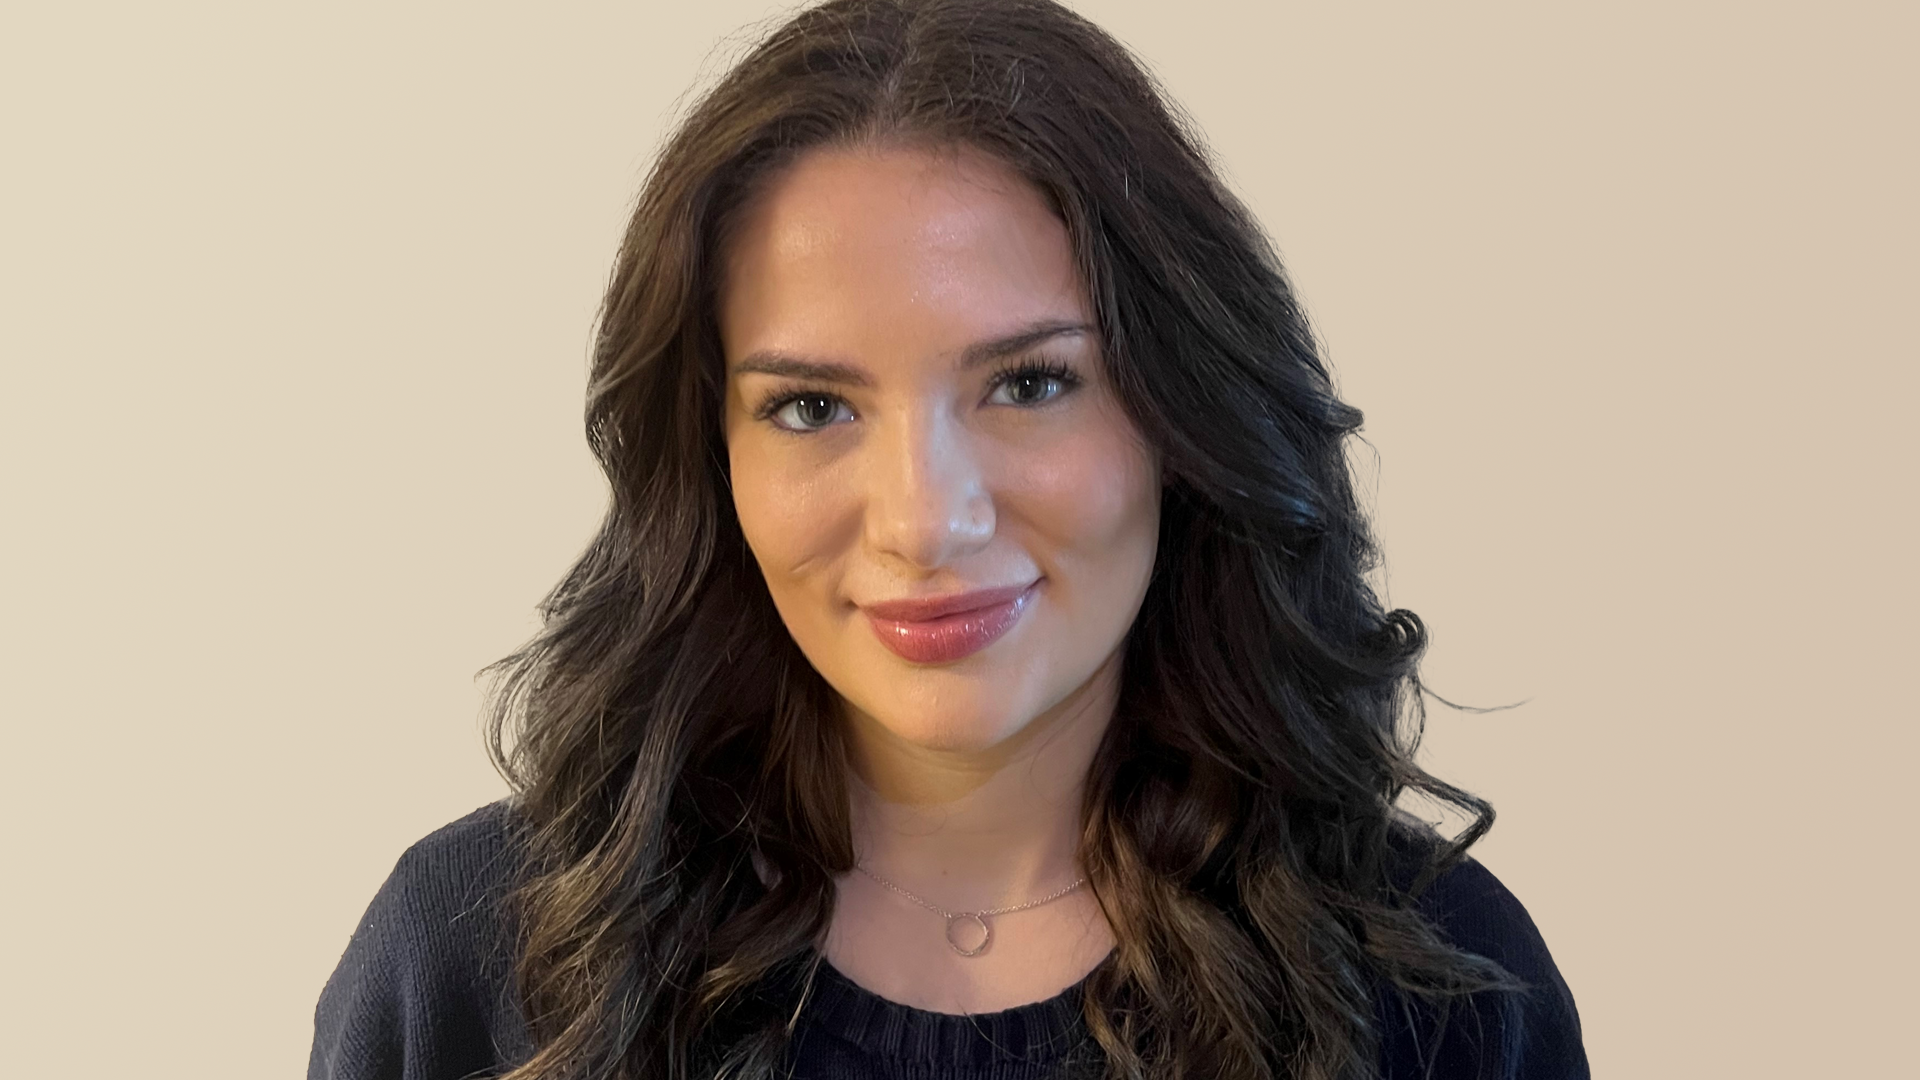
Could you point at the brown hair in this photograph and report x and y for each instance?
(665, 731)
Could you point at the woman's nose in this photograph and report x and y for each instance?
(927, 498)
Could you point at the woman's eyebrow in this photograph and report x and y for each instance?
(790, 365)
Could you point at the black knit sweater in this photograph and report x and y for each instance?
(424, 993)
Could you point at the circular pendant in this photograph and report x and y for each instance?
(965, 922)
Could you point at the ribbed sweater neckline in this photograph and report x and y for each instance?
(1038, 1033)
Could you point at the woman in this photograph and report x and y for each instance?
(975, 674)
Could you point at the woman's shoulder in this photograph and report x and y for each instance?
(444, 899)
(459, 863)
(1535, 1033)
(1477, 912)
(423, 989)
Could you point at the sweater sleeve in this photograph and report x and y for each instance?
(423, 989)
(1530, 1036)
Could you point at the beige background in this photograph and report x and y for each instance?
(296, 301)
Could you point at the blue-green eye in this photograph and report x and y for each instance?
(1037, 374)
(814, 410)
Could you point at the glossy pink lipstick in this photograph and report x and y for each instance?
(945, 628)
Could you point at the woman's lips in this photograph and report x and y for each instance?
(950, 637)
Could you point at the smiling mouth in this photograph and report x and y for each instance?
(933, 607)
(947, 637)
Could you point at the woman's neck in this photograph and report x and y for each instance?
(981, 828)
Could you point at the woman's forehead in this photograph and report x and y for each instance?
(894, 243)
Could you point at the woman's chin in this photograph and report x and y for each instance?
(969, 735)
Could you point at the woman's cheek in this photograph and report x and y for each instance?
(1091, 489)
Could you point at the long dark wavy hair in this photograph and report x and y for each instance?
(663, 731)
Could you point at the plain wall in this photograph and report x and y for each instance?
(294, 310)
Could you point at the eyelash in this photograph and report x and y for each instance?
(1037, 368)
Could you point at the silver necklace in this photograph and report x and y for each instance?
(961, 918)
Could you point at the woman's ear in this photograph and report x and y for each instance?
(769, 876)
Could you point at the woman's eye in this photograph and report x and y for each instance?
(1026, 387)
(1030, 386)
(811, 412)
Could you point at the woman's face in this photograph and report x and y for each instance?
(889, 319)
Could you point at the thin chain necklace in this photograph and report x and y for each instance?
(960, 918)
